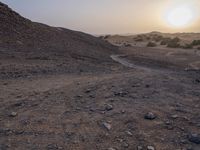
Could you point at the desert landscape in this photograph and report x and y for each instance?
(67, 90)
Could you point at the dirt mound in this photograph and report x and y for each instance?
(24, 40)
(23, 34)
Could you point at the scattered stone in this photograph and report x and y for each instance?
(150, 116)
(120, 140)
(79, 96)
(19, 42)
(194, 138)
(174, 116)
(168, 122)
(19, 132)
(13, 114)
(129, 133)
(125, 145)
(139, 148)
(183, 141)
(91, 96)
(122, 94)
(112, 100)
(5, 83)
(190, 148)
(111, 148)
(108, 107)
(88, 91)
(150, 148)
(52, 146)
(123, 111)
(18, 104)
(136, 85)
(197, 80)
(169, 127)
(147, 85)
(107, 125)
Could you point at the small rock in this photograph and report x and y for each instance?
(183, 141)
(194, 138)
(13, 114)
(88, 91)
(111, 148)
(108, 107)
(18, 104)
(174, 116)
(129, 133)
(150, 116)
(107, 125)
(122, 94)
(197, 80)
(125, 145)
(168, 122)
(147, 85)
(150, 148)
(91, 96)
(139, 148)
(79, 96)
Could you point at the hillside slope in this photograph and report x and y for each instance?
(28, 41)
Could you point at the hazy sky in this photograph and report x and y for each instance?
(109, 16)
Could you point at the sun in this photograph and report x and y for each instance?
(180, 16)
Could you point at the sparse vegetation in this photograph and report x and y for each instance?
(196, 42)
(157, 38)
(106, 36)
(174, 43)
(165, 41)
(139, 38)
(127, 45)
(187, 46)
(151, 44)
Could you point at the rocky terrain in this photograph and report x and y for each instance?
(66, 90)
(157, 40)
(28, 48)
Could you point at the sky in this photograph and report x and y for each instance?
(113, 16)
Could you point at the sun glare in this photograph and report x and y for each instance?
(180, 17)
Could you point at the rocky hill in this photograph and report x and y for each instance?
(27, 41)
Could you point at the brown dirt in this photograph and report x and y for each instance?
(66, 106)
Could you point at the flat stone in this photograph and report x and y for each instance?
(174, 116)
(194, 138)
(150, 148)
(111, 148)
(108, 107)
(150, 116)
(125, 145)
(88, 91)
(13, 114)
(139, 148)
(107, 125)
(129, 133)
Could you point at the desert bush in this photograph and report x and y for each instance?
(196, 42)
(188, 46)
(174, 43)
(138, 39)
(151, 44)
(101, 37)
(165, 41)
(148, 38)
(127, 45)
(158, 38)
(106, 36)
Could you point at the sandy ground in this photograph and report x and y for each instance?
(105, 110)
